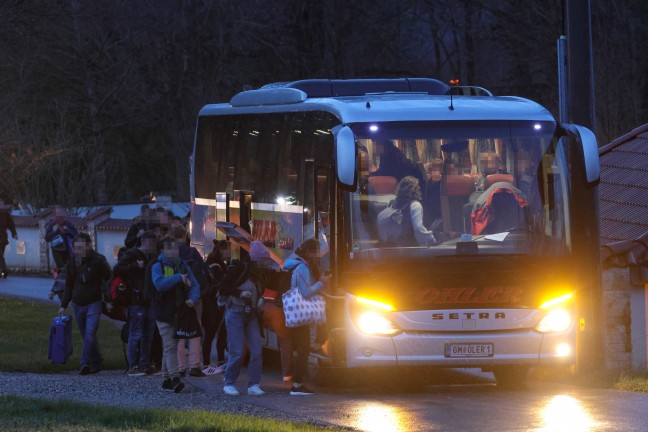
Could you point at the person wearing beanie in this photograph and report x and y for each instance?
(243, 289)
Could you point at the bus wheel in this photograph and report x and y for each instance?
(511, 377)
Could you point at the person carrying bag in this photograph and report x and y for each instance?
(303, 296)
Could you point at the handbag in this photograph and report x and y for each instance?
(187, 325)
(58, 243)
(300, 311)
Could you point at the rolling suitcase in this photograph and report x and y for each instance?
(60, 339)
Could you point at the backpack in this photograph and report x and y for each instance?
(117, 291)
(391, 224)
(279, 281)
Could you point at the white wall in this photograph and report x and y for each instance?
(31, 258)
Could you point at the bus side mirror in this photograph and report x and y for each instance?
(345, 149)
(587, 141)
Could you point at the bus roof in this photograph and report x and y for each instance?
(427, 102)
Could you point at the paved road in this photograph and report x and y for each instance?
(34, 287)
(453, 400)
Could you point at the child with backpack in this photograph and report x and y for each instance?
(176, 287)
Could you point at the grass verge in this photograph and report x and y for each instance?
(24, 414)
(636, 381)
(24, 335)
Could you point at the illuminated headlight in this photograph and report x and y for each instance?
(556, 320)
(371, 322)
(563, 350)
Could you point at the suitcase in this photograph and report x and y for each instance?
(60, 339)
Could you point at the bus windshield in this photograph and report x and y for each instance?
(448, 188)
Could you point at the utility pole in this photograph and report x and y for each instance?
(580, 74)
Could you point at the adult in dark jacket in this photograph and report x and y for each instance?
(86, 274)
(132, 269)
(146, 222)
(6, 224)
(175, 285)
(59, 233)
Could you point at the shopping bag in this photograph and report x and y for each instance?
(300, 311)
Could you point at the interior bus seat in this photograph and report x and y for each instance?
(382, 185)
(455, 191)
(503, 208)
(496, 178)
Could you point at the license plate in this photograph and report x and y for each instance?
(469, 350)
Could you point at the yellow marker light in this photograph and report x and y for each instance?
(556, 301)
(375, 304)
(563, 350)
(373, 323)
(556, 320)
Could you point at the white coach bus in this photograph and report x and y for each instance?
(503, 273)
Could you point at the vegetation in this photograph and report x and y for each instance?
(23, 414)
(636, 381)
(98, 100)
(24, 334)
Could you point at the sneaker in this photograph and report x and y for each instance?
(255, 390)
(213, 370)
(230, 390)
(177, 385)
(85, 370)
(94, 369)
(167, 384)
(196, 372)
(135, 372)
(151, 370)
(182, 374)
(300, 391)
(287, 379)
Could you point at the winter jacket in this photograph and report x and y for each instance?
(135, 276)
(239, 278)
(302, 276)
(83, 282)
(6, 223)
(171, 292)
(68, 234)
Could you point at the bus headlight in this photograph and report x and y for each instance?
(372, 323)
(556, 320)
(370, 317)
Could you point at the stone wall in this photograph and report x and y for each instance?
(617, 293)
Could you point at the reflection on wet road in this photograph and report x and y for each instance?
(475, 404)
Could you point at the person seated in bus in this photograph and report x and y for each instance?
(408, 199)
(395, 164)
(487, 164)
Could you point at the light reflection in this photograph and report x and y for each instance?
(375, 417)
(564, 413)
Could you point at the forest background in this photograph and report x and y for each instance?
(99, 99)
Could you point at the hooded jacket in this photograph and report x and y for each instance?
(171, 293)
(302, 276)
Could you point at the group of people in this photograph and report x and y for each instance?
(187, 300)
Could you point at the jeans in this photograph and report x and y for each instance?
(275, 320)
(169, 350)
(241, 328)
(87, 318)
(140, 337)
